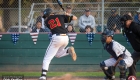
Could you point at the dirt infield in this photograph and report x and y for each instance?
(73, 79)
(70, 77)
(65, 77)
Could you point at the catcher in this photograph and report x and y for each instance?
(120, 57)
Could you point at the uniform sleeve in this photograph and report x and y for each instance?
(117, 49)
(67, 19)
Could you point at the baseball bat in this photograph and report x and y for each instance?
(60, 4)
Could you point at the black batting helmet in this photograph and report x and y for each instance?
(126, 17)
(47, 12)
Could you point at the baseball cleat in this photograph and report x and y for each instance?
(42, 78)
(71, 51)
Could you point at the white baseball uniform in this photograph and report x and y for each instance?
(118, 49)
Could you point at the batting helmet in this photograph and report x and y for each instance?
(47, 12)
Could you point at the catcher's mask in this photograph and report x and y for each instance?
(106, 33)
(47, 12)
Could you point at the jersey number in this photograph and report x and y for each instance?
(54, 23)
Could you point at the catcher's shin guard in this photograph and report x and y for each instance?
(108, 71)
(123, 69)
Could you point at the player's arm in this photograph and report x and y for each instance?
(119, 53)
(72, 17)
(120, 58)
(68, 18)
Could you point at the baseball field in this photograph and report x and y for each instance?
(62, 75)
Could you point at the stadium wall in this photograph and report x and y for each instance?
(27, 56)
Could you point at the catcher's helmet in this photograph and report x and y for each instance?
(126, 17)
(108, 32)
(105, 34)
(47, 12)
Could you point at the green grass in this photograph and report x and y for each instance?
(79, 74)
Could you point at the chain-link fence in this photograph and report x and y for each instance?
(31, 9)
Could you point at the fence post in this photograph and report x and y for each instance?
(102, 15)
(19, 15)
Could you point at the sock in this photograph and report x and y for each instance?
(44, 72)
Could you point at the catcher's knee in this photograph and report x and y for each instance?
(123, 68)
(122, 65)
(102, 65)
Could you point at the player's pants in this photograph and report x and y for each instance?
(56, 48)
(136, 58)
(112, 61)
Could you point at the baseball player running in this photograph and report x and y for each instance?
(59, 39)
(120, 57)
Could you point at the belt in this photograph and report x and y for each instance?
(61, 34)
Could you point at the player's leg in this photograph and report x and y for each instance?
(123, 65)
(50, 53)
(132, 69)
(64, 52)
(72, 52)
(105, 66)
(123, 69)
